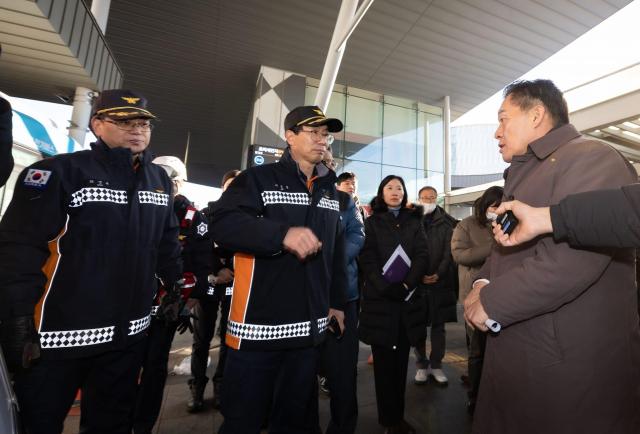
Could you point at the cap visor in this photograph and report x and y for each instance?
(333, 125)
(129, 114)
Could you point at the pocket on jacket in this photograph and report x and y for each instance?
(543, 348)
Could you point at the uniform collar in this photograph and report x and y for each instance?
(121, 156)
(319, 171)
(550, 142)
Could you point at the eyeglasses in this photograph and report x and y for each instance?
(320, 136)
(130, 124)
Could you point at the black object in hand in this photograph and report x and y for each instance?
(396, 291)
(507, 222)
(334, 327)
(20, 342)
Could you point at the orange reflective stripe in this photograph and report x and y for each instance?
(49, 270)
(310, 183)
(243, 276)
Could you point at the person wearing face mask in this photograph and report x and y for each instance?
(391, 315)
(471, 244)
(438, 287)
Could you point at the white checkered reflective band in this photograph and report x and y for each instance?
(329, 204)
(229, 290)
(211, 290)
(154, 310)
(283, 197)
(322, 324)
(139, 325)
(97, 194)
(255, 332)
(152, 197)
(76, 338)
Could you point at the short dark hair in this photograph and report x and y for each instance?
(491, 196)
(345, 176)
(527, 93)
(229, 175)
(378, 204)
(427, 187)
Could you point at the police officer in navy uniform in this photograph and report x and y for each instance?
(80, 245)
(206, 314)
(196, 256)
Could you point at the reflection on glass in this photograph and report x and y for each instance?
(363, 130)
(336, 109)
(399, 141)
(433, 179)
(368, 175)
(409, 176)
(430, 142)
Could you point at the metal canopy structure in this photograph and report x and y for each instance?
(50, 47)
(197, 61)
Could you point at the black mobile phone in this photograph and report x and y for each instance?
(334, 327)
(507, 222)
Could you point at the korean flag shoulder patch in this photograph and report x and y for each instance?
(37, 178)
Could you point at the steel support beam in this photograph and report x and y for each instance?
(446, 123)
(100, 11)
(347, 21)
(81, 114)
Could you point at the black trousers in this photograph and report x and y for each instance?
(390, 376)
(204, 328)
(477, 343)
(281, 383)
(339, 358)
(108, 382)
(154, 375)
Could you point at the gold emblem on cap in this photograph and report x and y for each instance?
(319, 112)
(130, 99)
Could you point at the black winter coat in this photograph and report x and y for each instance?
(442, 296)
(602, 218)
(6, 141)
(220, 258)
(381, 316)
(80, 245)
(278, 301)
(196, 244)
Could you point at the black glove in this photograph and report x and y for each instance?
(184, 322)
(20, 342)
(395, 291)
(170, 305)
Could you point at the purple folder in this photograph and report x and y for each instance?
(397, 266)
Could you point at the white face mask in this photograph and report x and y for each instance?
(491, 216)
(428, 208)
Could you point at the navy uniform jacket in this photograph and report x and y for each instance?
(221, 258)
(279, 302)
(80, 244)
(196, 244)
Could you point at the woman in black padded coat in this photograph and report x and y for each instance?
(392, 317)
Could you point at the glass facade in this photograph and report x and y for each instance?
(384, 135)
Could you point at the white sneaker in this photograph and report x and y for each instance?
(421, 376)
(438, 375)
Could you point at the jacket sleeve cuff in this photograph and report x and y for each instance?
(560, 230)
